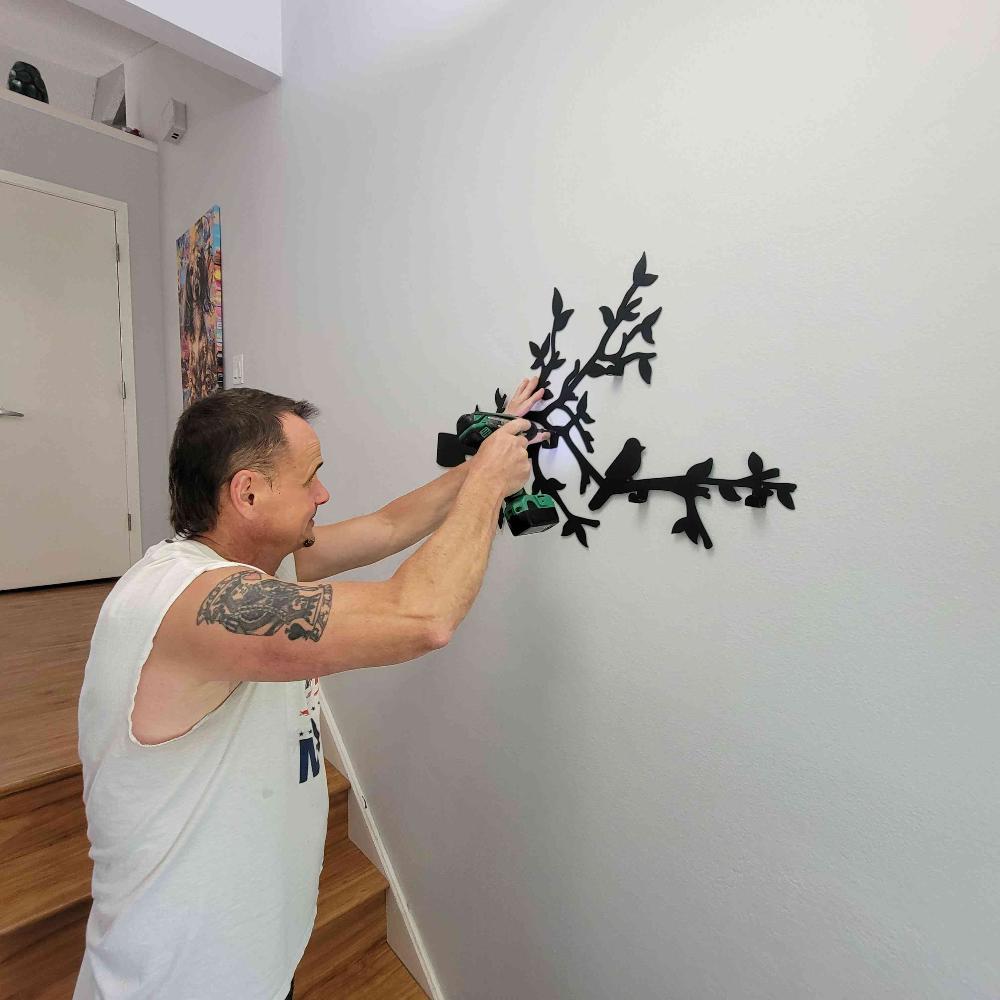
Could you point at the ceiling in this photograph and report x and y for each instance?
(67, 35)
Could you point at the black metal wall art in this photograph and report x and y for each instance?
(619, 477)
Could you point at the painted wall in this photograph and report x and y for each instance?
(644, 770)
(39, 145)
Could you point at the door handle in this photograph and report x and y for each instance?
(4, 412)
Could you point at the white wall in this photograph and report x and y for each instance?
(39, 145)
(647, 770)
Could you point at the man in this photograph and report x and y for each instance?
(206, 800)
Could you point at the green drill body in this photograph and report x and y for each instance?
(524, 512)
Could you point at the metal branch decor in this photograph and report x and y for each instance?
(620, 475)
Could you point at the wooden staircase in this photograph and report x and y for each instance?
(44, 862)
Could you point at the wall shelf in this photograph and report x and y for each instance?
(68, 116)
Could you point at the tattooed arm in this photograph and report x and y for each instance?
(252, 603)
(241, 624)
(234, 625)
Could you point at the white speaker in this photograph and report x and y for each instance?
(173, 121)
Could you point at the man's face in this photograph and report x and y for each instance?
(297, 492)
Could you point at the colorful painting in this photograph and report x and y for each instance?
(199, 294)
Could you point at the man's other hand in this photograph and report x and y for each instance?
(524, 397)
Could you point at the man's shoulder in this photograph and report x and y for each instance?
(153, 583)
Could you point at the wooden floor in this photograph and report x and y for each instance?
(44, 853)
(44, 643)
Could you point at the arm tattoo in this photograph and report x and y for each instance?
(248, 604)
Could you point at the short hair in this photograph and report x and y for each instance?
(215, 437)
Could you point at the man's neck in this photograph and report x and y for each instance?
(264, 559)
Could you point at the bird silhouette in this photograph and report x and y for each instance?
(619, 472)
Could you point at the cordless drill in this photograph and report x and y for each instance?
(524, 512)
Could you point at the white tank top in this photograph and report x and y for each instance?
(207, 848)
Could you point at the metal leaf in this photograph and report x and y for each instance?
(561, 320)
(700, 471)
(639, 271)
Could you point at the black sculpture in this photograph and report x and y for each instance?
(24, 79)
(619, 477)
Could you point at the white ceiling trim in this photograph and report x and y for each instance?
(187, 42)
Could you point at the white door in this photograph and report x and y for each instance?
(63, 491)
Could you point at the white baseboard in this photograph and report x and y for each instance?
(403, 935)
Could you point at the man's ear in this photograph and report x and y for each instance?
(241, 494)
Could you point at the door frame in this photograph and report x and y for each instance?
(120, 210)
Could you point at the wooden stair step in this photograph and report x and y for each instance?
(37, 778)
(350, 914)
(44, 881)
(39, 698)
(40, 816)
(41, 962)
(39, 617)
(45, 852)
(336, 783)
(46, 641)
(338, 787)
(340, 942)
(43, 676)
(376, 975)
(348, 880)
(336, 825)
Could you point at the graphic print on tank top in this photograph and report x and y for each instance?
(309, 741)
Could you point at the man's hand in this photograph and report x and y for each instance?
(524, 397)
(365, 540)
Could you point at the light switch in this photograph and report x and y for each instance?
(238, 377)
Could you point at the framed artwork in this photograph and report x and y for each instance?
(199, 296)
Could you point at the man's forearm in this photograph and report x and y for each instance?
(417, 514)
(443, 577)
